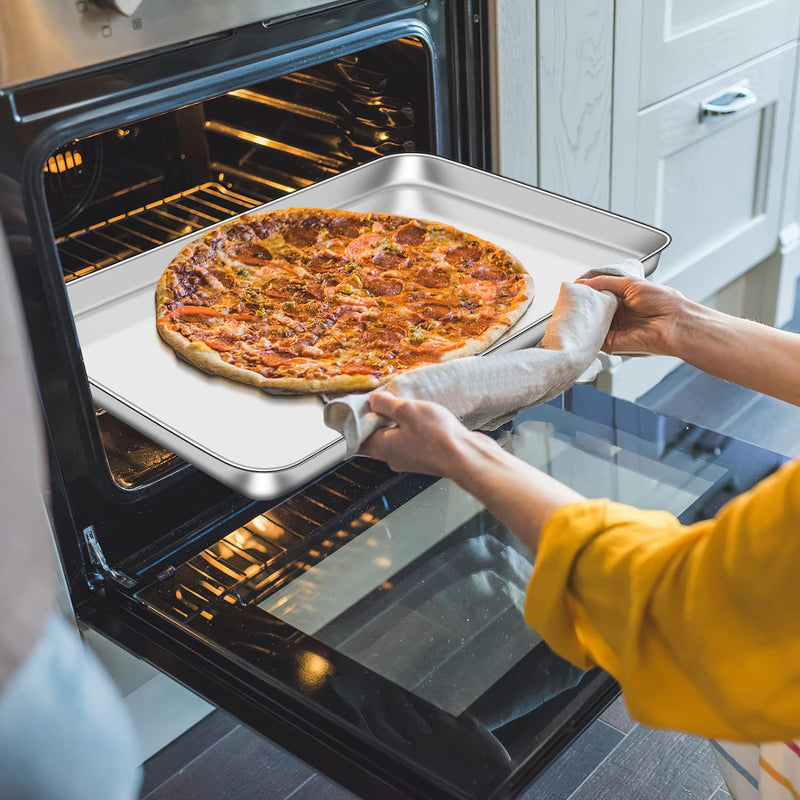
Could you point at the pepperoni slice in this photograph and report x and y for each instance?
(300, 235)
(409, 234)
(315, 289)
(344, 226)
(225, 278)
(382, 336)
(253, 255)
(364, 244)
(386, 287)
(437, 311)
(475, 327)
(323, 262)
(464, 254)
(486, 274)
(222, 342)
(387, 259)
(433, 277)
(273, 360)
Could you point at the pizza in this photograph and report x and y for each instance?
(317, 300)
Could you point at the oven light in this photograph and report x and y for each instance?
(63, 162)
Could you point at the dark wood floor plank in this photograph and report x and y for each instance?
(670, 384)
(654, 765)
(240, 765)
(185, 749)
(319, 788)
(704, 400)
(769, 423)
(616, 715)
(575, 764)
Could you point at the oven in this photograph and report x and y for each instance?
(367, 622)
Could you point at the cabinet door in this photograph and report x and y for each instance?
(713, 182)
(686, 41)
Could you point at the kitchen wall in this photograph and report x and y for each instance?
(675, 113)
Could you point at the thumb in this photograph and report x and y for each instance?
(607, 283)
(385, 404)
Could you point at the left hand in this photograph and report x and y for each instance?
(425, 437)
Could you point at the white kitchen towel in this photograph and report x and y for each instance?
(485, 391)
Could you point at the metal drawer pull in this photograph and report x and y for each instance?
(729, 102)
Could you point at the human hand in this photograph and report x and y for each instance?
(425, 437)
(647, 320)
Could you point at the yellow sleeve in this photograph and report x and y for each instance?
(699, 624)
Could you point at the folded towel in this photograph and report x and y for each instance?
(485, 391)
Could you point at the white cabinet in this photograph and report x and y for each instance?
(713, 180)
(600, 100)
(787, 257)
(514, 89)
(576, 58)
(683, 42)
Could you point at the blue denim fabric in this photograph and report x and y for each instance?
(65, 733)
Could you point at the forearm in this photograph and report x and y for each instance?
(520, 496)
(738, 350)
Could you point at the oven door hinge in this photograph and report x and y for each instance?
(99, 560)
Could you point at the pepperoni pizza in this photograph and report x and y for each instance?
(313, 300)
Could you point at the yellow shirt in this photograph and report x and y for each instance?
(699, 624)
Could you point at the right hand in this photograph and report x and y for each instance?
(647, 318)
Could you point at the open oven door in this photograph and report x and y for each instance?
(371, 623)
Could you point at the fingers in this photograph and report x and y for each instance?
(374, 446)
(385, 404)
(609, 283)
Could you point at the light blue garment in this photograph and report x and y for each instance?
(65, 733)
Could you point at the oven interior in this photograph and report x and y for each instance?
(125, 191)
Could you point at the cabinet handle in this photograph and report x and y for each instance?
(728, 102)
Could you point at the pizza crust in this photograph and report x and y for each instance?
(209, 360)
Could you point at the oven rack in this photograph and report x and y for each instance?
(270, 550)
(85, 251)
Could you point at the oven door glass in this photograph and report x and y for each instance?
(402, 615)
(430, 596)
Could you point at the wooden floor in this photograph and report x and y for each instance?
(614, 759)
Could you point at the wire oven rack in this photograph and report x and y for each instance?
(142, 229)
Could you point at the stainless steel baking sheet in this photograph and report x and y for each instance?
(264, 445)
